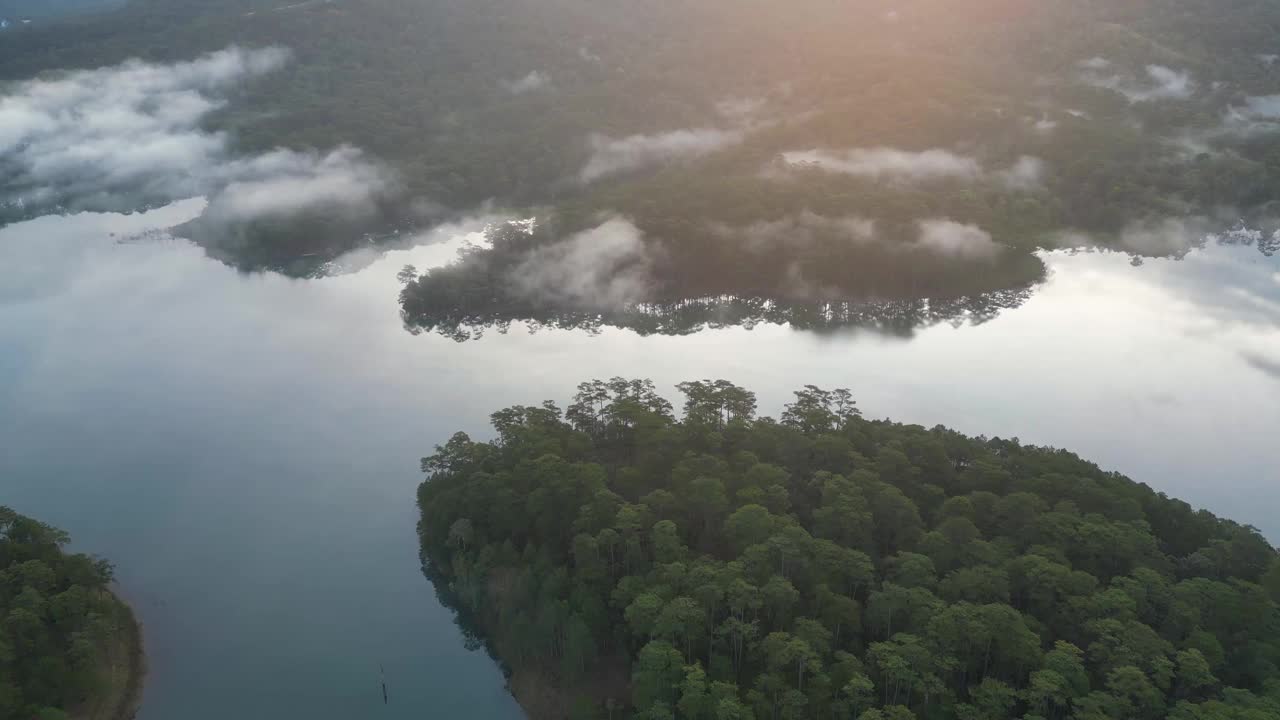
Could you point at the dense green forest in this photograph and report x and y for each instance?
(680, 115)
(68, 647)
(623, 562)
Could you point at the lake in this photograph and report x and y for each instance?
(245, 447)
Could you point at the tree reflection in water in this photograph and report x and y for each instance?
(679, 289)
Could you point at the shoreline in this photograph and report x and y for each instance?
(131, 701)
(538, 693)
(124, 665)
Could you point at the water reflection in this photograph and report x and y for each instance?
(816, 287)
(610, 278)
(245, 446)
(899, 318)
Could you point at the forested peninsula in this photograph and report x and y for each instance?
(622, 562)
(69, 648)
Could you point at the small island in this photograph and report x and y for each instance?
(622, 562)
(69, 648)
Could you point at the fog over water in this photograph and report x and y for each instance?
(245, 447)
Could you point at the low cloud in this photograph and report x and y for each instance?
(885, 163)
(119, 137)
(1259, 114)
(1175, 237)
(88, 137)
(608, 266)
(1025, 174)
(284, 183)
(1159, 83)
(740, 110)
(802, 230)
(1166, 237)
(535, 80)
(611, 156)
(958, 240)
(1045, 125)
(939, 236)
(1262, 106)
(1169, 83)
(1095, 63)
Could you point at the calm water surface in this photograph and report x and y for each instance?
(245, 447)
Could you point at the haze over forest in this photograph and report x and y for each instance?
(798, 154)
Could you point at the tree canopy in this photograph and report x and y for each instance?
(721, 565)
(67, 645)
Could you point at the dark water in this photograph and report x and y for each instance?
(245, 448)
